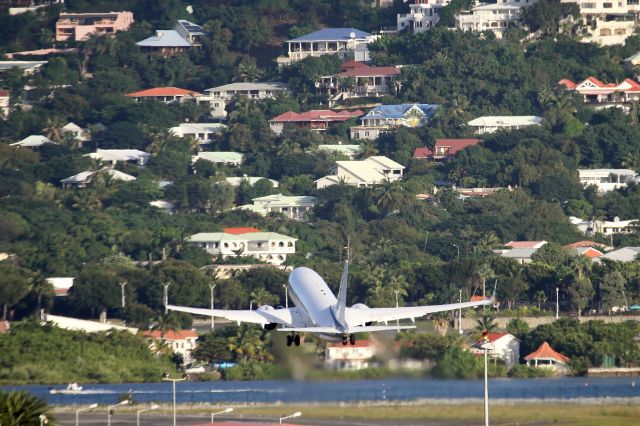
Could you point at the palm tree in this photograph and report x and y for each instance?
(247, 71)
(485, 324)
(248, 345)
(388, 194)
(20, 408)
(166, 322)
(368, 148)
(43, 290)
(53, 130)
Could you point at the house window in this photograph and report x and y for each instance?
(607, 5)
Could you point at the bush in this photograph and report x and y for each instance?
(528, 372)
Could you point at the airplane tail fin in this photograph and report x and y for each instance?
(341, 306)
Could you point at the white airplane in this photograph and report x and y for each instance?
(318, 311)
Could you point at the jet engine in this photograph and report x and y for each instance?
(272, 325)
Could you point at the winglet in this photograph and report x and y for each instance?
(342, 295)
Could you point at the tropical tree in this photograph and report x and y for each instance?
(485, 324)
(20, 408)
(612, 290)
(14, 285)
(247, 345)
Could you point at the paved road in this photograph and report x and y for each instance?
(146, 419)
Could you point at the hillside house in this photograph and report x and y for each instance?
(113, 156)
(357, 79)
(219, 97)
(33, 141)
(344, 42)
(496, 17)
(204, 133)
(81, 26)
(270, 247)
(293, 207)
(607, 179)
(605, 227)
(27, 67)
(317, 119)
(350, 357)
(163, 94)
(372, 171)
(503, 346)
(182, 342)
(607, 23)
(227, 158)
(86, 178)
(605, 95)
(185, 35)
(423, 15)
(383, 118)
(492, 124)
(444, 149)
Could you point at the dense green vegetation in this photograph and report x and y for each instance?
(32, 353)
(18, 408)
(106, 234)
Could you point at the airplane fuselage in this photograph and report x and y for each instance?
(313, 297)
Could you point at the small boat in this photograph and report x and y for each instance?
(72, 388)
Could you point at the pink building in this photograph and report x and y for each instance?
(79, 26)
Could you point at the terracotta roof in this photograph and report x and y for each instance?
(627, 85)
(353, 64)
(454, 146)
(370, 71)
(238, 231)
(359, 344)
(316, 115)
(568, 83)
(524, 244)
(585, 243)
(493, 336)
(171, 334)
(478, 298)
(546, 352)
(162, 91)
(589, 252)
(4, 93)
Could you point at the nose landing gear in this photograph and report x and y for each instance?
(351, 338)
(293, 339)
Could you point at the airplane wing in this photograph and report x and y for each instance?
(362, 316)
(257, 316)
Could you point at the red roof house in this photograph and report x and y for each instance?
(444, 148)
(180, 341)
(525, 244)
(502, 346)
(319, 119)
(240, 230)
(595, 91)
(163, 94)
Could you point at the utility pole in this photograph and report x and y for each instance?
(166, 296)
(212, 287)
(460, 313)
(167, 379)
(557, 303)
(286, 296)
(123, 294)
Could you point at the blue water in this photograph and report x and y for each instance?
(347, 391)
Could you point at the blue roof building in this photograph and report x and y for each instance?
(386, 117)
(348, 43)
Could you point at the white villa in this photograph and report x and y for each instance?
(293, 207)
(79, 134)
(350, 357)
(219, 97)
(267, 246)
(344, 42)
(180, 341)
(423, 15)
(604, 95)
(202, 132)
(228, 158)
(608, 22)
(383, 118)
(502, 346)
(113, 156)
(492, 124)
(605, 227)
(496, 17)
(374, 170)
(84, 179)
(607, 179)
(33, 141)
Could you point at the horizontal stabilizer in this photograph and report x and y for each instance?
(329, 330)
(370, 328)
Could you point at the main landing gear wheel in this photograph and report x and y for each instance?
(296, 340)
(345, 340)
(352, 339)
(289, 340)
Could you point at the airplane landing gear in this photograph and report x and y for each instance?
(293, 339)
(296, 340)
(352, 339)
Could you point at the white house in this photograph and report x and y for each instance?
(33, 141)
(202, 132)
(113, 156)
(491, 124)
(270, 247)
(293, 207)
(605, 227)
(228, 158)
(605, 95)
(496, 17)
(607, 22)
(219, 97)
(383, 118)
(251, 180)
(344, 42)
(374, 170)
(423, 15)
(61, 285)
(27, 67)
(624, 254)
(350, 357)
(607, 179)
(502, 346)
(84, 179)
(180, 341)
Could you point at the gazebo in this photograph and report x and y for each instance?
(546, 357)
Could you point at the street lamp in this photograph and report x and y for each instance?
(90, 407)
(296, 414)
(486, 386)
(166, 296)
(557, 303)
(397, 319)
(458, 249)
(460, 312)
(213, 324)
(286, 296)
(153, 407)
(167, 379)
(44, 420)
(109, 407)
(226, 410)
(124, 297)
